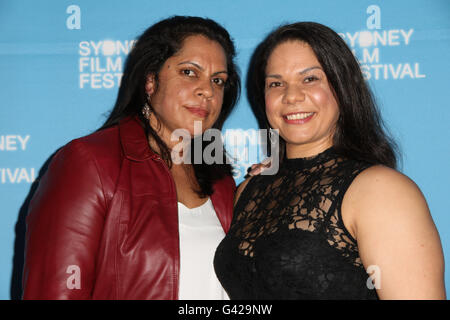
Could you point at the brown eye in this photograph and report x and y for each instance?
(188, 72)
(274, 84)
(309, 79)
(219, 81)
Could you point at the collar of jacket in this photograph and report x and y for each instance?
(134, 143)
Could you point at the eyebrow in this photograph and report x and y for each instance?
(277, 76)
(201, 68)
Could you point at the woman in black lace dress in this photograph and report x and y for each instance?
(336, 210)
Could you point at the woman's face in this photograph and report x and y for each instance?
(299, 100)
(190, 87)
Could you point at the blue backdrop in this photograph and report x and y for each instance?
(61, 63)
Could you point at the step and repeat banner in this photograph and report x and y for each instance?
(61, 63)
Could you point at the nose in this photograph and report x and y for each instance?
(293, 94)
(205, 89)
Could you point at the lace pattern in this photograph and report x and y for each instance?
(288, 236)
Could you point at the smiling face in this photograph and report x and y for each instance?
(190, 88)
(299, 100)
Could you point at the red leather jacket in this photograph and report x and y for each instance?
(103, 223)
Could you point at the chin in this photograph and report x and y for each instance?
(297, 138)
(297, 142)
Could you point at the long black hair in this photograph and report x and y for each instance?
(360, 133)
(157, 44)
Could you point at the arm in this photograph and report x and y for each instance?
(394, 230)
(64, 226)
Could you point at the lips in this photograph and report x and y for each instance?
(198, 111)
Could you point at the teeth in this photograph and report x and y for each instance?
(299, 116)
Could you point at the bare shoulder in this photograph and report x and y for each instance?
(241, 188)
(382, 175)
(380, 194)
(395, 231)
(380, 187)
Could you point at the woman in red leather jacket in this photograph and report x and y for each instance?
(104, 222)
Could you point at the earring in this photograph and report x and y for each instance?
(146, 110)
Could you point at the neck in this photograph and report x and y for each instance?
(183, 142)
(307, 150)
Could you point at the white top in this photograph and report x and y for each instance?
(200, 234)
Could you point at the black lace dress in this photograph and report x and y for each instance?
(287, 239)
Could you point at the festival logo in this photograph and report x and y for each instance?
(367, 45)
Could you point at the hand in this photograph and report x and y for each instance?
(256, 169)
